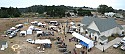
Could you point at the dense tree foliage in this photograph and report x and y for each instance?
(9, 12)
(82, 12)
(43, 11)
(104, 8)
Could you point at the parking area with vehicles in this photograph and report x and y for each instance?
(60, 43)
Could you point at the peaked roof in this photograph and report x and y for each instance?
(102, 24)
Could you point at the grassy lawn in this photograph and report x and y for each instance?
(110, 38)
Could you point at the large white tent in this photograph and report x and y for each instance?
(83, 40)
(44, 41)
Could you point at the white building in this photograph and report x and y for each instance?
(97, 27)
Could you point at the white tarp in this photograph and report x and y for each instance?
(44, 41)
(84, 39)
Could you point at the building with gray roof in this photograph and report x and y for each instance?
(101, 26)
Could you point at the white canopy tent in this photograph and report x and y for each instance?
(44, 41)
(85, 41)
(29, 31)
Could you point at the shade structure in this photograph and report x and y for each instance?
(44, 41)
(83, 43)
(83, 40)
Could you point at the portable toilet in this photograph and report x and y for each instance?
(29, 31)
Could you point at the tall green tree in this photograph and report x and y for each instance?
(104, 8)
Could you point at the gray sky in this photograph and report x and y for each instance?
(116, 4)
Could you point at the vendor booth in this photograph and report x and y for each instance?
(83, 40)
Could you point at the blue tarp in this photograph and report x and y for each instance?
(83, 43)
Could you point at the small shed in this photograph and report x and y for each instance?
(29, 31)
(23, 33)
(4, 45)
(103, 40)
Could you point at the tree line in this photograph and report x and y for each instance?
(52, 11)
(9, 12)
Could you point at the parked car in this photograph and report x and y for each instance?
(30, 41)
(121, 35)
(123, 40)
(36, 29)
(116, 45)
(123, 47)
(9, 32)
(12, 35)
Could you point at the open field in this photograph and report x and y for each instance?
(27, 48)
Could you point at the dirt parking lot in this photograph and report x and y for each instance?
(27, 48)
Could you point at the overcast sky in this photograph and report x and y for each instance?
(116, 4)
